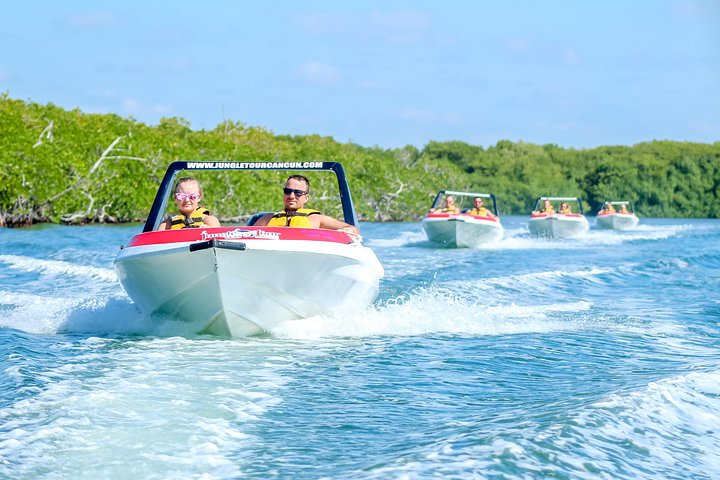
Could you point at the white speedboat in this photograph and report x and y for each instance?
(554, 224)
(620, 217)
(463, 229)
(244, 280)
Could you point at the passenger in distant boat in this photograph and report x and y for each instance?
(623, 209)
(565, 208)
(296, 194)
(479, 209)
(448, 208)
(547, 209)
(187, 197)
(608, 208)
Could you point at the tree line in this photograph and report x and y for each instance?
(66, 166)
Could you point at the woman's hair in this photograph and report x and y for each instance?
(187, 179)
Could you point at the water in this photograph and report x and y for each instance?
(586, 358)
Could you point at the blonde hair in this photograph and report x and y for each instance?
(187, 179)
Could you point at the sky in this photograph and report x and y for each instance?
(380, 73)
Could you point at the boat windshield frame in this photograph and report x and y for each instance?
(619, 203)
(454, 193)
(540, 200)
(163, 195)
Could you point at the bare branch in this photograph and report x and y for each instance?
(104, 217)
(92, 202)
(58, 195)
(47, 133)
(398, 191)
(105, 154)
(72, 217)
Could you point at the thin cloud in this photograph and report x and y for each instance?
(137, 108)
(319, 73)
(324, 24)
(516, 45)
(414, 114)
(370, 86)
(102, 93)
(423, 115)
(705, 128)
(90, 20)
(453, 118)
(572, 57)
(146, 66)
(401, 26)
(541, 51)
(405, 27)
(168, 36)
(401, 21)
(693, 8)
(556, 126)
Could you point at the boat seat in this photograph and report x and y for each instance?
(251, 221)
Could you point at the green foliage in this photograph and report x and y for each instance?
(68, 166)
(662, 178)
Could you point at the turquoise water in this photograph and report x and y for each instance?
(596, 357)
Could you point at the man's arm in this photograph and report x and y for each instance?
(263, 221)
(333, 224)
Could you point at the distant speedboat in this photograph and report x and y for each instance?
(463, 229)
(243, 280)
(555, 224)
(617, 216)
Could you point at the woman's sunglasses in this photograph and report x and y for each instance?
(191, 196)
(298, 193)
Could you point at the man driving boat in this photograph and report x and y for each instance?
(296, 193)
(479, 209)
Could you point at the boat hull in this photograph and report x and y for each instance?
(462, 230)
(558, 225)
(617, 221)
(242, 287)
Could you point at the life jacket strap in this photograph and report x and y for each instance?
(289, 215)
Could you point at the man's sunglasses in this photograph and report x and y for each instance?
(191, 196)
(298, 193)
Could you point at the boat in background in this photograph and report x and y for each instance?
(462, 229)
(555, 224)
(244, 280)
(611, 218)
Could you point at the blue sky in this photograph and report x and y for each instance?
(381, 73)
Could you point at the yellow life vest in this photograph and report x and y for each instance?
(482, 212)
(298, 218)
(448, 210)
(565, 211)
(195, 220)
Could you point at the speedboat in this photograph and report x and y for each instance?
(555, 224)
(243, 280)
(615, 218)
(462, 229)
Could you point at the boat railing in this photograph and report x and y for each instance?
(455, 193)
(164, 192)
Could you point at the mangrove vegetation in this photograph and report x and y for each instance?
(66, 166)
